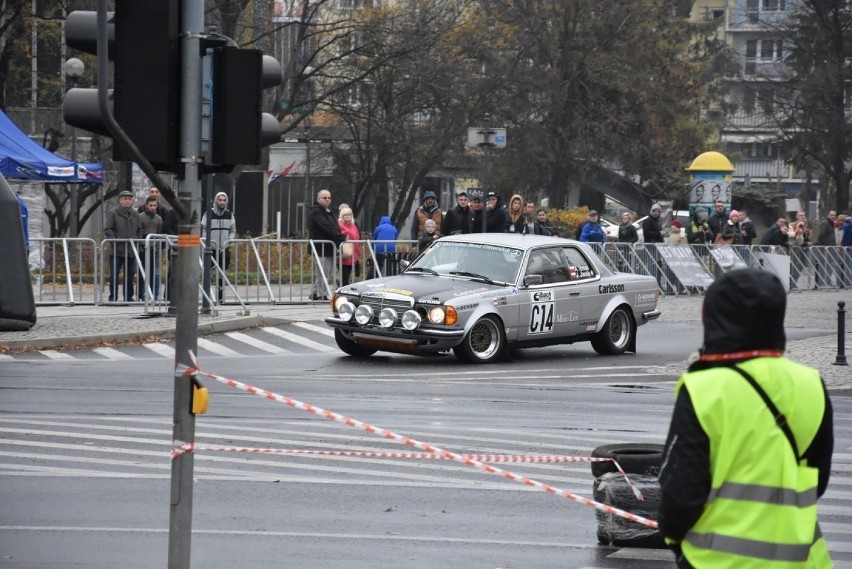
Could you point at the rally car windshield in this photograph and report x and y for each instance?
(488, 262)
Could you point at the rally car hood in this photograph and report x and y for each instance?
(422, 286)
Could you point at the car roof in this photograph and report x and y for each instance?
(510, 240)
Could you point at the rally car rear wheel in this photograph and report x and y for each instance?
(616, 335)
(484, 343)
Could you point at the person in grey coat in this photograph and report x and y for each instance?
(122, 223)
(223, 228)
(152, 224)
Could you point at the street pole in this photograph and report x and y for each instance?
(486, 144)
(186, 326)
(307, 175)
(74, 198)
(206, 198)
(74, 69)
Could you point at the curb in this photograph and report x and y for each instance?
(81, 341)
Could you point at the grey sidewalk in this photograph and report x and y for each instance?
(66, 327)
(813, 313)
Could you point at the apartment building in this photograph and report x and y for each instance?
(754, 31)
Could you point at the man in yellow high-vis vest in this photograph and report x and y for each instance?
(749, 448)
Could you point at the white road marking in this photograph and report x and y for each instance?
(296, 339)
(161, 349)
(259, 344)
(324, 330)
(642, 554)
(217, 349)
(311, 535)
(54, 355)
(112, 354)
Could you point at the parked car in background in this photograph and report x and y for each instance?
(611, 227)
(480, 294)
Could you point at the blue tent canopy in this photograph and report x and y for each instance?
(23, 159)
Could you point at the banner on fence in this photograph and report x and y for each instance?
(686, 266)
(727, 258)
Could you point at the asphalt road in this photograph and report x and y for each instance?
(85, 440)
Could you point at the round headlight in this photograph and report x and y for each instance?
(363, 314)
(339, 299)
(436, 315)
(387, 318)
(411, 320)
(346, 311)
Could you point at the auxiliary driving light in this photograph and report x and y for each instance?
(387, 317)
(411, 320)
(363, 314)
(346, 310)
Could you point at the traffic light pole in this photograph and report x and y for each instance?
(164, 133)
(186, 289)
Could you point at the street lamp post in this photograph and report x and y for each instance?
(486, 145)
(74, 69)
(307, 202)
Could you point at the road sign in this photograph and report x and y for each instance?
(478, 136)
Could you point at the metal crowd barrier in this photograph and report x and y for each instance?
(64, 271)
(374, 259)
(262, 270)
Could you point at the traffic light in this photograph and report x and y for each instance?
(145, 50)
(148, 78)
(80, 106)
(239, 128)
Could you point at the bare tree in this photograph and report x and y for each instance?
(401, 103)
(812, 106)
(595, 84)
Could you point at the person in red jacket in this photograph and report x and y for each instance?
(351, 251)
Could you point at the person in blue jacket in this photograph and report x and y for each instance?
(387, 234)
(592, 231)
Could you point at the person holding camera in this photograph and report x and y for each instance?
(799, 236)
(776, 235)
(698, 231)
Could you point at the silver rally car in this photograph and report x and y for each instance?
(481, 294)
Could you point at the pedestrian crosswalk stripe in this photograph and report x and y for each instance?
(298, 339)
(216, 348)
(324, 330)
(162, 349)
(259, 344)
(112, 354)
(642, 554)
(54, 355)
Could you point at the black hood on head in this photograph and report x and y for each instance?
(744, 310)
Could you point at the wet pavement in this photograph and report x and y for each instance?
(813, 315)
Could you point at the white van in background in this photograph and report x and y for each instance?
(610, 227)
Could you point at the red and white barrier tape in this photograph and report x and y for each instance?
(430, 449)
(415, 455)
(488, 458)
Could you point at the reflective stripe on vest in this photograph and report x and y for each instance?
(754, 548)
(767, 494)
(764, 510)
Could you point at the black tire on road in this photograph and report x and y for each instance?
(634, 458)
(352, 348)
(484, 343)
(621, 532)
(617, 333)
